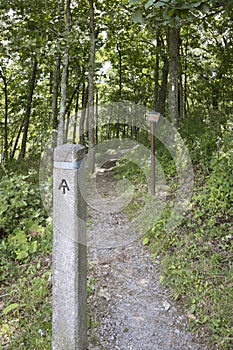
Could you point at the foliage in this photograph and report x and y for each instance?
(132, 60)
(23, 220)
(25, 302)
(203, 132)
(26, 311)
(197, 257)
(176, 12)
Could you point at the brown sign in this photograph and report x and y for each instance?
(153, 117)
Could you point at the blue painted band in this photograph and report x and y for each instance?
(68, 165)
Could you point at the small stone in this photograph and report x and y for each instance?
(166, 305)
(103, 293)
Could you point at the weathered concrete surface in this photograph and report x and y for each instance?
(69, 324)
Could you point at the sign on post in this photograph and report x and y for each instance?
(69, 322)
(153, 118)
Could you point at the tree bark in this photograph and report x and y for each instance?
(163, 89)
(120, 71)
(67, 125)
(55, 91)
(160, 90)
(97, 117)
(156, 75)
(76, 117)
(17, 140)
(91, 85)
(28, 109)
(5, 152)
(73, 95)
(64, 79)
(83, 114)
(174, 65)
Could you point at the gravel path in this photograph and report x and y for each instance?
(130, 308)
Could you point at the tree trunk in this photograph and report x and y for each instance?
(181, 98)
(17, 140)
(55, 91)
(120, 71)
(97, 116)
(28, 110)
(67, 125)
(83, 114)
(64, 79)
(91, 86)
(174, 65)
(5, 153)
(163, 89)
(76, 117)
(160, 91)
(185, 70)
(156, 75)
(74, 94)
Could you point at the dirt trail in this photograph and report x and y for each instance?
(133, 311)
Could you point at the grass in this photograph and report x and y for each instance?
(196, 258)
(25, 299)
(26, 303)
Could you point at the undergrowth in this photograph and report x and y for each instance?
(26, 303)
(25, 264)
(25, 249)
(196, 257)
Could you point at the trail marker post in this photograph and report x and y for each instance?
(69, 321)
(153, 118)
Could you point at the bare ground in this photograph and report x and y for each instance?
(129, 309)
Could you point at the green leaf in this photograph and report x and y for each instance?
(149, 4)
(196, 4)
(137, 17)
(21, 255)
(33, 247)
(146, 241)
(204, 8)
(192, 309)
(10, 308)
(135, 2)
(160, 3)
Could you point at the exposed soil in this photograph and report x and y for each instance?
(130, 309)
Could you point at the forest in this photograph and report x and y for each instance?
(60, 60)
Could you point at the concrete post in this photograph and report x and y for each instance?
(69, 323)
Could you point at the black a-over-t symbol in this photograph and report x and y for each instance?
(64, 186)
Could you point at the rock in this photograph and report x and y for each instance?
(166, 305)
(103, 293)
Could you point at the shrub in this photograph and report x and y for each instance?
(22, 217)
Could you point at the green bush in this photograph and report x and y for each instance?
(22, 217)
(197, 257)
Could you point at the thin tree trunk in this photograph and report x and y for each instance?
(73, 94)
(17, 140)
(5, 153)
(163, 88)
(181, 98)
(185, 55)
(55, 91)
(120, 70)
(83, 114)
(160, 91)
(67, 124)
(91, 86)
(28, 109)
(97, 116)
(156, 76)
(76, 117)
(174, 65)
(64, 79)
